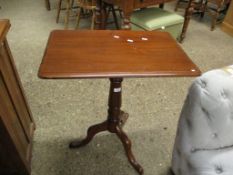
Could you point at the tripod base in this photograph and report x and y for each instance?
(114, 123)
(117, 129)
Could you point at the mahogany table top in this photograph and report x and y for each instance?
(114, 53)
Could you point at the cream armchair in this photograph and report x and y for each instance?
(204, 140)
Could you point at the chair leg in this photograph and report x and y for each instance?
(68, 4)
(107, 14)
(93, 20)
(78, 17)
(72, 3)
(177, 4)
(58, 10)
(120, 13)
(110, 8)
(214, 20)
(171, 172)
(161, 6)
(203, 9)
(115, 17)
(47, 3)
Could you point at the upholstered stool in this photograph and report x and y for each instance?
(157, 19)
(204, 140)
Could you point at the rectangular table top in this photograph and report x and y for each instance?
(114, 53)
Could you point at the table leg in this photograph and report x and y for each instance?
(161, 6)
(114, 17)
(126, 21)
(92, 131)
(100, 13)
(104, 16)
(58, 10)
(47, 4)
(188, 13)
(115, 121)
(127, 145)
(68, 8)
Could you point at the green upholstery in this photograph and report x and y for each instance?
(157, 19)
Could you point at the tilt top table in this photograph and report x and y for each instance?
(114, 55)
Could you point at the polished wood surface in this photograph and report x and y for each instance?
(16, 122)
(108, 53)
(129, 6)
(227, 25)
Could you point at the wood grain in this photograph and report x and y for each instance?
(16, 122)
(95, 54)
(4, 27)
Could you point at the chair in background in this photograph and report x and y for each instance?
(86, 6)
(90, 6)
(68, 7)
(109, 8)
(198, 5)
(213, 7)
(204, 140)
